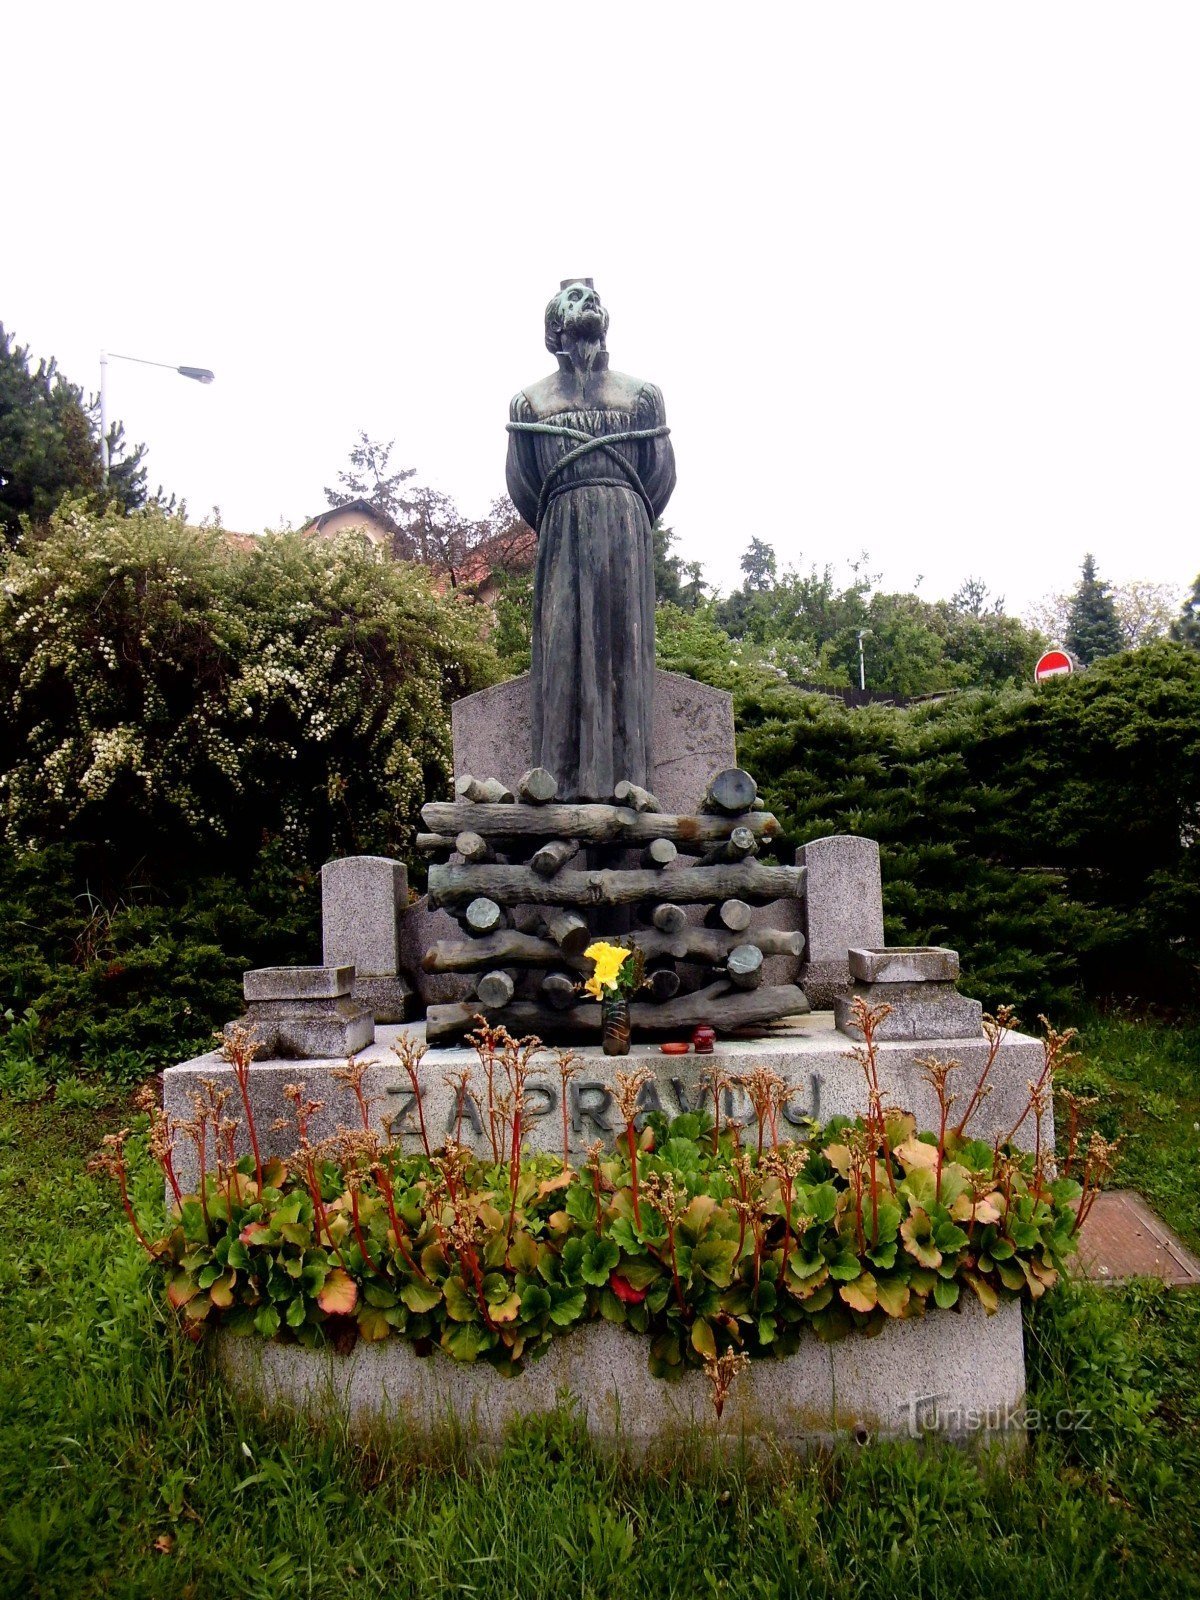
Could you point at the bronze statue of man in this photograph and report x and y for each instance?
(590, 467)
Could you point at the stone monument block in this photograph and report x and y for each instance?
(692, 739)
(363, 899)
(918, 983)
(843, 907)
(306, 1013)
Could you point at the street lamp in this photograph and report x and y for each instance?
(863, 633)
(199, 374)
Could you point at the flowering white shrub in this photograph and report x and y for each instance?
(160, 685)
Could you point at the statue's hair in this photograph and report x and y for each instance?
(554, 321)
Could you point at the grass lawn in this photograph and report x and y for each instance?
(125, 1471)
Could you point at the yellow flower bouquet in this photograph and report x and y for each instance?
(617, 969)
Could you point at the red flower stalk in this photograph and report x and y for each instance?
(997, 1029)
(111, 1162)
(358, 1233)
(384, 1179)
(1055, 1054)
(487, 1043)
(240, 1046)
(629, 1086)
(867, 1020)
(567, 1069)
(410, 1052)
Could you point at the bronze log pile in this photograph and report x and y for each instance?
(532, 881)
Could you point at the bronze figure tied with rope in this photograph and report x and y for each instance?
(590, 466)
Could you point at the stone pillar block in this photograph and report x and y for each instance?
(306, 1013)
(918, 983)
(363, 899)
(843, 907)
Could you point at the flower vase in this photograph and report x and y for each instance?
(614, 1020)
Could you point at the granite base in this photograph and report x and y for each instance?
(958, 1375)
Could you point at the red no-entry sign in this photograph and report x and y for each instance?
(1054, 664)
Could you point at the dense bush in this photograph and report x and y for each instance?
(1049, 834)
(192, 728)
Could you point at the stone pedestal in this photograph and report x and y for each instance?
(363, 899)
(925, 1376)
(305, 1013)
(918, 982)
(811, 1056)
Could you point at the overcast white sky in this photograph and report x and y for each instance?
(919, 279)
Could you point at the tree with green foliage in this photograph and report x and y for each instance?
(676, 582)
(1093, 629)
(758, 563)
(1186, 629)
(807, 624)
(50, 445)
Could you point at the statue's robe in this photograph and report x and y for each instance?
(592, 676)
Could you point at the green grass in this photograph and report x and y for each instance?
(114, 1437)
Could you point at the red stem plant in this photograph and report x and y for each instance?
(488, 1042)
(997, 1029)
(358, 1154)
(161, 1137)
(1100, 1160)
(660, 1190)
(410, 1052)
(383, 1178)
(716, 1082)
(862, 1157)
(465, 1229)
(459, 1083)
(1056, 1054)
(867, 1020)
(1076, 1105)
(352, 1074)
(595, 1151)
(720, 1372)
(763, 1087)
(936, 1074)
(787, 1161)
(629, 1086)
(568, 1068)
(111, 1162)
(239, 1046)
(306, 1156)
(516, 1059)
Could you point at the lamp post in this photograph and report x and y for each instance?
(863, 633)
(199, 374)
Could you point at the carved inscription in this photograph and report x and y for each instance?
(591, 1109)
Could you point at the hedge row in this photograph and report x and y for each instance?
(1049, 834)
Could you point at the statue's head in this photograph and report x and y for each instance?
(575, 311)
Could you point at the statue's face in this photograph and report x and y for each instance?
(581, 313)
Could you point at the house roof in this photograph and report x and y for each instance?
(362, 508)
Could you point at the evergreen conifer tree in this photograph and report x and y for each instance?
(1187, 628)
(50, 444)
(1093, 630)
